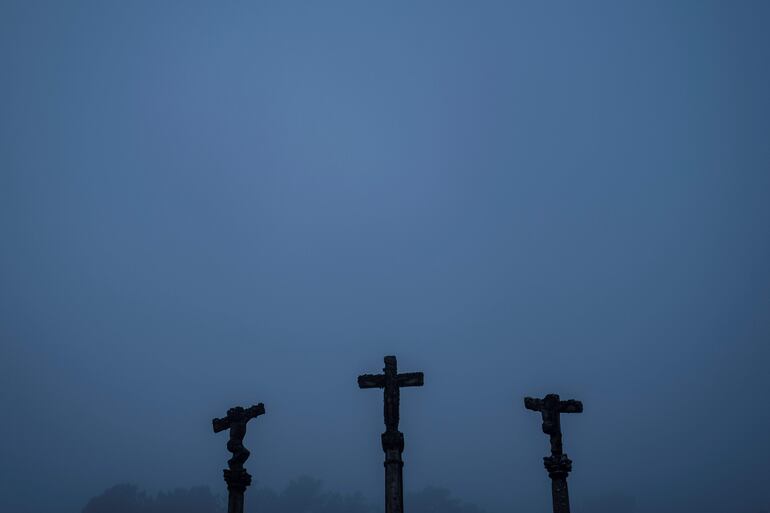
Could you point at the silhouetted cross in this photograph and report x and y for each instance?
(236, 477)
(235, 421)
(392, 438)
(391, 381)
(557, 464)
(551, 408)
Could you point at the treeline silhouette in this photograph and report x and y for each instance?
(301, 495)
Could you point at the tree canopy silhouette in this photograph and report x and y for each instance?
(127, 498)
(302, 495)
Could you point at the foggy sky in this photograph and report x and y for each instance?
(205, 204)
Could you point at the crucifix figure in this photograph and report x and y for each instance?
(392, 438)
(236, 477)
(557, 464)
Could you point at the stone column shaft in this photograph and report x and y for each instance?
(235, 502)
(559, 467)
(393, 445)
(237, 481)
(560, 495)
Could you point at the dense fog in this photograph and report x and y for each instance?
(210, 204)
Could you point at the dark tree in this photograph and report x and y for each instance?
(612, 502)
(301, 495)
(306, 495)
(126, 498)
(433, 499)
(346, 503)
(198, 499)
(122, 498)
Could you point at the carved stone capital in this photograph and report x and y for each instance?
(393, 441)
(557, 466)
(237, 480)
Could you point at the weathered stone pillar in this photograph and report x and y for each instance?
(237, 481)
(557, 464)
(393, 445)
(236, 477)
(558, 469)
(392, 438)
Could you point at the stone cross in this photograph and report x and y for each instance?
(236, 477)
(557, 464)
(392, 438)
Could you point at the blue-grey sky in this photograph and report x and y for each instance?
(205, 204)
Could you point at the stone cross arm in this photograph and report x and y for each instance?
(391, 381)
(551, 407)
(552, 404)
(407, 379)
(238, 415)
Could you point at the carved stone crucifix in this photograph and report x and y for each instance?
(557, 464)
(236, 477)
(392, 438)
